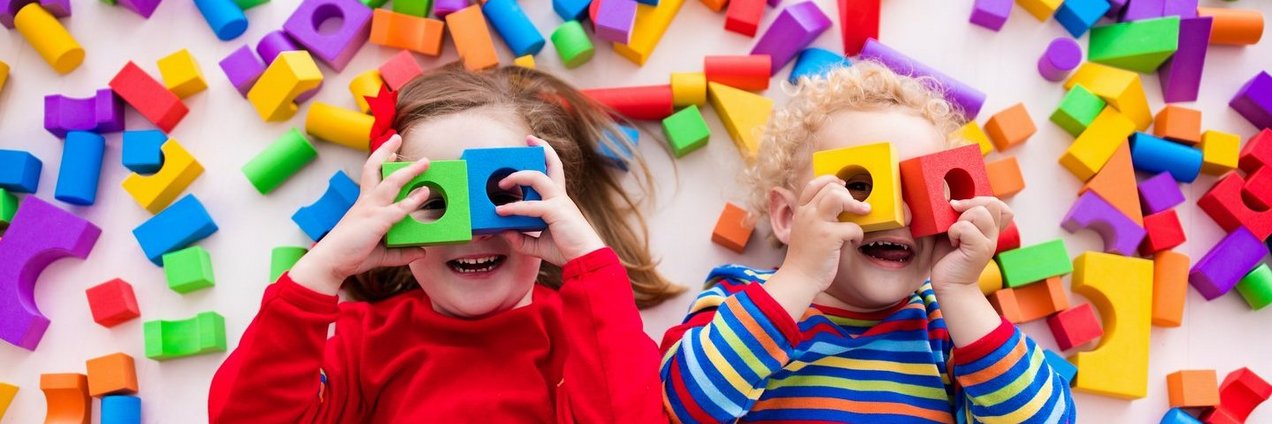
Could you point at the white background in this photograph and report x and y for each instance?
(223, 132)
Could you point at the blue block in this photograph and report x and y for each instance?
(179, 225)
(317, 219)
(142, 151)
(571, 10)
(19, 171)
(1077, 16)
(1062, 366)
(653, 2)
(121, 410)
(513, 26)
(814, 62)
(1155, 155)
(623, 156)
(1178, 416)
(81, 168)
(485, 165)
(224, 16)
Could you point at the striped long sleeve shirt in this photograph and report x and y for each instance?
(739, 357)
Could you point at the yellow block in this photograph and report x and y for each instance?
(1040, 9)
(991, 278)
(1119, 87)
(689, 88)
(7, 392)
(1093, 148)
(48, 37)
(526, 61)
(1219, 152)
(4, 74)
(972, 132)
(743, 113)
(651, 23)
(365, 84)
(156, 191)
(880, 162)
(1121, 288)
(181, 74)
(341, 126)
(291, 74)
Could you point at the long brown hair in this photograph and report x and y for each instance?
(576, 127)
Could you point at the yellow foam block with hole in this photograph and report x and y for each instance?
(289, 75)
(365, 84)
(1093, 148)
(879, 161)
(974, 133)
(526, 61)
(688, 88)
(743, 113)
(651, 24)
(181, 74)
(156, 191)
(1219, 152)
(1121, 289)
(1120, 88)
(1040, 9)
(345, 127)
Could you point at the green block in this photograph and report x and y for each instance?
(278, 162)
(374, 4)
(1078, 108)
(248, 4)
(572, 44)
(1256, 287)
(188, 269)
(8, 207)
(110, 2)
(686, 131)
(203, 333)
(1035, 263)
(449, 179)
(282, 258)
(413, 7)
(1139, 46)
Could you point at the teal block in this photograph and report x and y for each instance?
(686, 131)
(1078, 108)
(1139, 46)
(188, 269)
(203, 333)
(449, 180)
(1035, 263)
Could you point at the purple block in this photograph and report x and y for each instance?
(441, 8)
(102, 113)
(1181, 74)
(1254, 100)
(336, 47)
(774, 3)
(1121, 235)
(962, 95)
(614, 20)
(793, 30)
(242, 68)
(1159, 193)
(991, 14)
(39, 234)
(1062, 56)
(1225, 264)
(272, 44)
(145, 8)
(1115, 8)
(10, 8)
(1184, 9)
(1143, 9)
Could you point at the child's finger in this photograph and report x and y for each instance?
(371, 169)
(392, 185)
(522, 243)
(412, 201)
(530, 208)
(402, 256)
(965, 234)
(980, 217)
(850, 233)
(546, 187)
(815, 187)
(555, 170)
(998, 210)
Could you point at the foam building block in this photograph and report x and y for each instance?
(48, 37)
(66, 398)
(749, 73)
(1077, 16)
(242, 68)
(142, 151)
(158, 105)
(274, 43)
(279, 161)
(399, 70)
(485, 168)
(962, 95)
(1257, 151)
(1034, 263)
(616, 149)
(1160, 193)
(991, 278)
(744, 16)
(879, 161)
(1181, 8)
(1256, 287)
(1254, 100)
(345, 127)
(743, 114)
(972, 132)
(516, 29)
(1040, 9)
(1075, 326)
(1192, 388)
(156, 191)
(472, 38)
(111, 374)
(4, 73)
(1229, 206)
(1010, 127)
(1005, 179)
(1237, 27)
(1062, 56)
(571, 44)
(282, 258)
(1163, 232)
(1139, 46)
(1219, 152)
(1008, 239)
(1120, 288)
(1170, 288)
(924, 180)
(366, 84)
(1178, 124)
(1077, 110)
(39, 235)
(1121, 88)
(1239, 393)
(8, 207)
(81, 168)
(224, 17)
(449, 180)
(570, 10)
(1178, 416)
(1226, 263)
(733, 228)
(814, 62)
(686, 131)
(1180, 76)
(991, 14)
(1115, 183)
(188, 269)
(651, 23)
(178, 226)
(203, 333)
(688, 88)
(793, 30)
(181, 74)
(1031, 302)
(1062, 366)
(614, 20)
(859, 23)
(1121, 235)
(112, 302)
(7, 393)
(20, 172)
(319, 217)
(120, 409)
(402, 31)
(335, 47)
(274, 93)
(1153, 155)
(8, 9)
(526, 61)
(101, 113)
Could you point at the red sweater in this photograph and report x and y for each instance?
(574, 355)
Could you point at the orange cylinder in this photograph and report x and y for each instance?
(1240, 27)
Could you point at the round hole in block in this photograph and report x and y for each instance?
(959, 185)
(1251, 202)
(858, 181)
(328, 19)
(433, 208)
(497, 195)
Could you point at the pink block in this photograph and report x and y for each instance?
(399, 70)
(1181, 74)
(1121, 235)
(793, 30)
(336, 47)
(1062, 56)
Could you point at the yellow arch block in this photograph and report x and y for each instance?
(290, 75)
(345, 127)
(156, 191)
(1093, 148)
(66, 398)
(743, 113)
(181, 74)
(880, 162)
(1121, 288)
(1119, 87)
(48, 37)
(689, 88)
(365, 84)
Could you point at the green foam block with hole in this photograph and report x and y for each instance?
(447, 179)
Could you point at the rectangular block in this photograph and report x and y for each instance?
(1032, 302)
(1180, 76)
(472, 39)
(1140, 46)
(1075, 326)
(1121, 88)
(1253, 100)
(873, 163)
(1163, 232)
(158, 105)
(1219, 152)
(1093, 148)
(1192, 388)
(188, 269)
(1034, 263)
(487, 166)
(1159, 193)
(1005, 178)
(1178, 124)
(112, 302)
(1077, 110)
(1230, 259)
(1010, 127)
(178, 226)
(181, 74)
(111, 374)
(733, 228)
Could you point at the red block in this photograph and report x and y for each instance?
(1226, 205)
(858, 21)
(1258, 187)
(1257, 152)
(651, 102)
(1008, 239)
(1241, 391)
(746, 72)
(149, 97)
(923, 181)
(1164, 232)
(112, 302)
(743, 16)
(400, 69)
(1075, 326)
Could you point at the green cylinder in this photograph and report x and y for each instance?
(278, 162)
(8, 207)
(572, 44)
(282, 258)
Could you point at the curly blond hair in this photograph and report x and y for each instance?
(863, 86)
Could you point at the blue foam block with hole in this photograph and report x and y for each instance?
(179, 225)
(119, 409)
(317, 219)
(483, 164)
(814, 62)
(142, 151)
(19, 171)
(1154, 155)
(81, 168)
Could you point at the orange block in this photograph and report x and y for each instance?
(1192, 388)
(402, 31)
(715, 5)
(66, 398)
(1115, 183)
(1234, 26)
(1010, 127)
(1179, 124)
(1170, 287)
(733, 229)
(112, 374)
(472, 38)
(1031, 302)
(1005, 179)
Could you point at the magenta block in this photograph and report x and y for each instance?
(272, 44)
(441, 8)
(990, 14)
(962, 95)
(1062, 56)
(102, 113)
(614, 20)
(1143, 9)
(793, 30)
(39, 234)
(1254, 100)
(1184, 9)
(337, 47)
(145, 8)
(9, 8)
(1181, 74)
(242, 68)
(1121, 235)
(1160, 193)
(1232, 258)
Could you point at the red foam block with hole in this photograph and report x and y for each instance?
(923, 181)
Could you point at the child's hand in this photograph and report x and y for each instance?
(972, 240)
(353, 246)
(569, 235)
(817, 237)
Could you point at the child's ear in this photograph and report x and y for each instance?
(781, 211)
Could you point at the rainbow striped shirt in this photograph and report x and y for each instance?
(739, 357)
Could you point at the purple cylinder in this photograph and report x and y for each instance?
(1063, 55)
(962, 95)
(272, 44)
